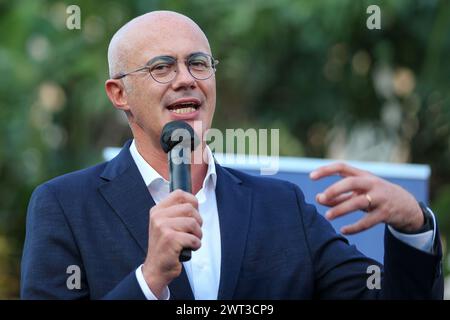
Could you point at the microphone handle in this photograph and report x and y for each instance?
(180, 178)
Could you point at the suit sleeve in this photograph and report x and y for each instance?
(52, 266)
(342, 272)
(50, 252)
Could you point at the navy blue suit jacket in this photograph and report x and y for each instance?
(274, 245)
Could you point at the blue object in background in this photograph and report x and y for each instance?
(412, 177)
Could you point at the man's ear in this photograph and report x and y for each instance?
(117, 94)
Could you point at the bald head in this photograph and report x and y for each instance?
(155, 30)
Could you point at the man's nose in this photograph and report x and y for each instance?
(183, 78)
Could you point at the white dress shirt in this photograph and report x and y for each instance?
(203, 270)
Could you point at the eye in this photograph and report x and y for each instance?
(199, 63)
(161, 67)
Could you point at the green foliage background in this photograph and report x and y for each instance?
(310, 68)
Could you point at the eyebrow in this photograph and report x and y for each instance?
(152, 60)
(166, 57)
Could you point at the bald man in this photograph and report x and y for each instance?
(114, 231)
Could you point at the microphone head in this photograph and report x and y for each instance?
(170, 137)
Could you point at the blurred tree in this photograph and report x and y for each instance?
(311, 68)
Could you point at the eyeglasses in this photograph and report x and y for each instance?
(163, 69)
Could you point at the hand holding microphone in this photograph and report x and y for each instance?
(178, 140)
(175, 223)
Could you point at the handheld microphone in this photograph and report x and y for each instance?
(178, 140)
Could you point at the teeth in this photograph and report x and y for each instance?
(183, 110)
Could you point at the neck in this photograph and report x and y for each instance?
(157, 158)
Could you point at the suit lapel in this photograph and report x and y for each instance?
(234, 207)
(127, 194)
(131, 201)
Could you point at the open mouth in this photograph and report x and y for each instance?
(184, 107)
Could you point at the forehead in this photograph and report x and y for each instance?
(172, 37)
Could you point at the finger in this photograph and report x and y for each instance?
(339, 199)
(186, 240)
(178, 210)
(186, 225)
(339, 168)
(356, 203)
(178, 197)
(369, 220)
(344, 186)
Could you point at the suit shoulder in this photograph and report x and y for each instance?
(261, 181)
(79, 180)
(271, 188)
